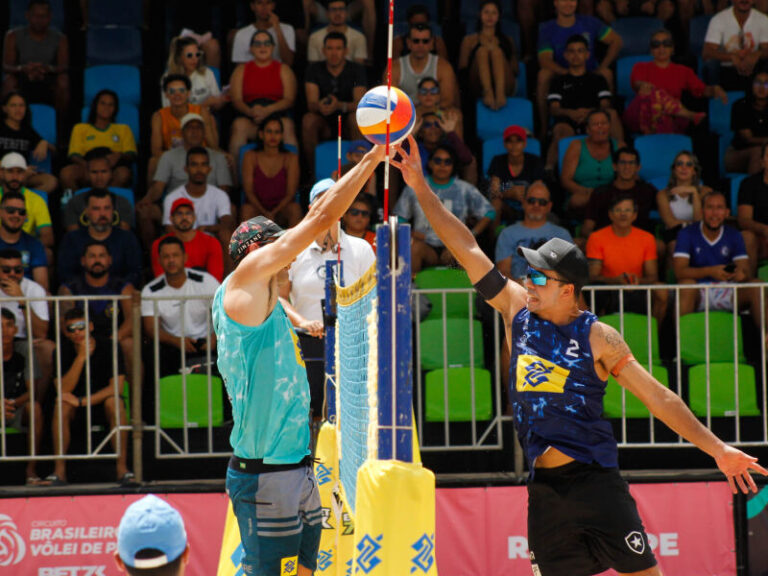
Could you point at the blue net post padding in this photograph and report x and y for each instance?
(329, 315)
(395, 409)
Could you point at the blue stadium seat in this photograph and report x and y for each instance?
(469, 10)
(111, 13)
(720, 114)
(697, 33)
(624, 73)
(659, 182)
(44, 123)
(491, 123)
(736, 179)
(657, 151)
(723, 142)
(562, 146)
(401, 9)
(326, 157)
(17, 8)
(495, 146)
(113, 45)
(636, 33)
(125, 80)
(127, 114)
(216, 74)
(521, 91)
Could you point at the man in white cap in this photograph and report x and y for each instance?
(151, 539)
(13, 174)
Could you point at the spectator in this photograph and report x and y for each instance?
(357, 219)
(627, 183)
(429, 101)
(261, 87)
(17, 135)
(292, 12)
(86, 384)
(363, 11)
(680, 202)
(13, 214)
(99, 175)
(101, 131)
(511, 174)
(531, 232)
(609, 10)
(488, 58)
(433, 131)
(659, 85)
(212, 206)
(737, 39)
(332, 87)
(187, 57)
(624, 255)
(38, 223)
(100, 217)
(166, 122)
(588, 163)
(171, 174)
(271, 178)
(36, 59)
(97, 280)
(203, 250)
(357, 149)
(460, 197)
(151, 533)
(357, 50)
(306, 289)
(417, 14)
(18, 404)
(189, 22)
(752, 212)
(195, 290)
(553, 35)
(749, 123)
(574, 95)
(283, 35)
(713, 253)
(420, 63)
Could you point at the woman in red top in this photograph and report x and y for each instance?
(271, 177)
(659, 86)
(260, 88)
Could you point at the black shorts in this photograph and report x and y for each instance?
(582, 520)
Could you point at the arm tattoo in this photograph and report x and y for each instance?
(613, 338)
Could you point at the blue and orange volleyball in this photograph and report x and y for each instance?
(372, 115)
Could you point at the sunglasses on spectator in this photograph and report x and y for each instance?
(658, 43)
(76, 326)
(15, 269)
(758, 84)
(686, 163)
(442, 161)
(356, 212)
(431, 124)
(260, 43)
(14, 210)
(539, 278)
(539, 201)
(421, 40)
(177, 90)
(433, 90)
(193, 55)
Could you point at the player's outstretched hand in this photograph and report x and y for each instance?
(736, 465)
(409, 163)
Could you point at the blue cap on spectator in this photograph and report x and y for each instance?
(151, 524)
(359, 146)
(320, 187)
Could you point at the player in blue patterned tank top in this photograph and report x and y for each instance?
(581, 518)
(270, 480)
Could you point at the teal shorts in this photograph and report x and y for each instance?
(279, 517)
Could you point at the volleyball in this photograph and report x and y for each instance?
(372, 115)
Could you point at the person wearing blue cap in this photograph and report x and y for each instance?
(270, 478)
(151, 539)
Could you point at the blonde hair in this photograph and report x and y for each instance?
(176, 52)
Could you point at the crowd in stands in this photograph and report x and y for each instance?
(139, 190)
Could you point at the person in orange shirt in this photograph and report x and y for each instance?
(357, 219)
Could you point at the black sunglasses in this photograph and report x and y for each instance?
(442, 161)
(421, 40)
(658, 43)
(193, 55)
(539, 201)
(14, 210)
(356, 212)
(260, 43)
(15, 269)
(433, 90)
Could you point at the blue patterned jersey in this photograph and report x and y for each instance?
(557, 396)
(267, 384)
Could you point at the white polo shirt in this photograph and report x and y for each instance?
(30, 289)
(209, 207)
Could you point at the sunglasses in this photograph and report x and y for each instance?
(177, 90)
(14, 210)
(431, 124)
(193, 55)
(627, 162)
(443, 161)
(658, 43)
(539, 201)
(539, 278)
(260, 43)
(356, 212)
(76, 326)
(758, 84)
(434, 90)
(14, 269)
(686, 163)
(421, 40)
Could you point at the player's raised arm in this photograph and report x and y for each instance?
(507, 297)
(613, 356)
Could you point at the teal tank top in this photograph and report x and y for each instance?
(266, 381)
(592, 173)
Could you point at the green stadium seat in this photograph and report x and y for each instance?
(458, 343)
(634, 407)
(721, 338)
(762, 273)
(459, 395)
(722, 399)
(636, 334)
(459, 305)
(171, 408)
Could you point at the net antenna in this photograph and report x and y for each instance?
(390, 28)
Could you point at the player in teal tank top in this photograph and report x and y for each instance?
(270, 478)
(582, 519)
